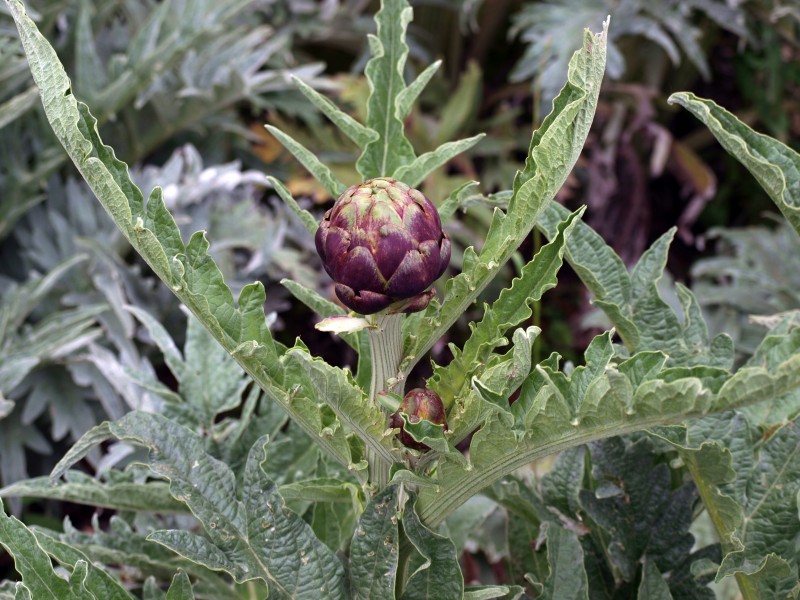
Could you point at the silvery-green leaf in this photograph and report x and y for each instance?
(434, 572)
(555, 147)
(384, 72)
(314, 165)
(772, 163)
(357, 132)
(375, 547)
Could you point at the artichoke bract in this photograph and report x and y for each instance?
(383, 244)
(419, 403)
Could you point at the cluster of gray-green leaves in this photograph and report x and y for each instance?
(229, 499)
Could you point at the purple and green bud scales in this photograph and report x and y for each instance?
(418, 404)
(383, 244)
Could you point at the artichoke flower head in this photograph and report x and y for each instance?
(382, 243)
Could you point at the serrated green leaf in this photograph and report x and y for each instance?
(98, 581)
(407, 97)
(307, 158)
(634, 304)
(611, 405)
(193, 277)
(331, 385)
(775, 348)
(384, 73)
(357, 132)
(511, 308)
(82, 489)
(598, 266)
(434, 572)
(416, 171)
(774, 165)
(117, 544)
(246, 538)
(34, 566)
(749, 488)
(306, 218)
(375, 548)
(158, 218)
(555, 147)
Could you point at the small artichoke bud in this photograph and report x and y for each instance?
(383, 244)
(418, 404)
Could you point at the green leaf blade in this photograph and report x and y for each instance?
(313, 164)
(555, 148)
(357, 132)
(437, 574)
(415, 172)
(374, 549)
(384, 73)
(774, 165)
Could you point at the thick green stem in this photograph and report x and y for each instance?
(385, 350)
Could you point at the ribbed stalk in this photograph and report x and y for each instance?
(385, 350)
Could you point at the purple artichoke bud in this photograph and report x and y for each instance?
(382, 243)
(418, 404)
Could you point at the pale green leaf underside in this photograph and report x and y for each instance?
(248, 538)
(544, 420)
(555, 147)
(83, 489)
(772, 163)
(36, 570)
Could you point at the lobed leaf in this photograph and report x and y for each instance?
(611, 399)
(193, 276)
(749, 487)
(82, 489)
(633, 302)
(417, 170)
(774, 165)
(384, 72)
(38, 577)
(555, 147)
(248, 538)
(357, 132)
(512, 307)
(434, 572)
(375, 547)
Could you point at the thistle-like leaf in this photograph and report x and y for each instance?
(193, 276)
(555, 147)
(384, 72)
(774, 165)
(34, 565)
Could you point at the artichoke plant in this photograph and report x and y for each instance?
(383, 245)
